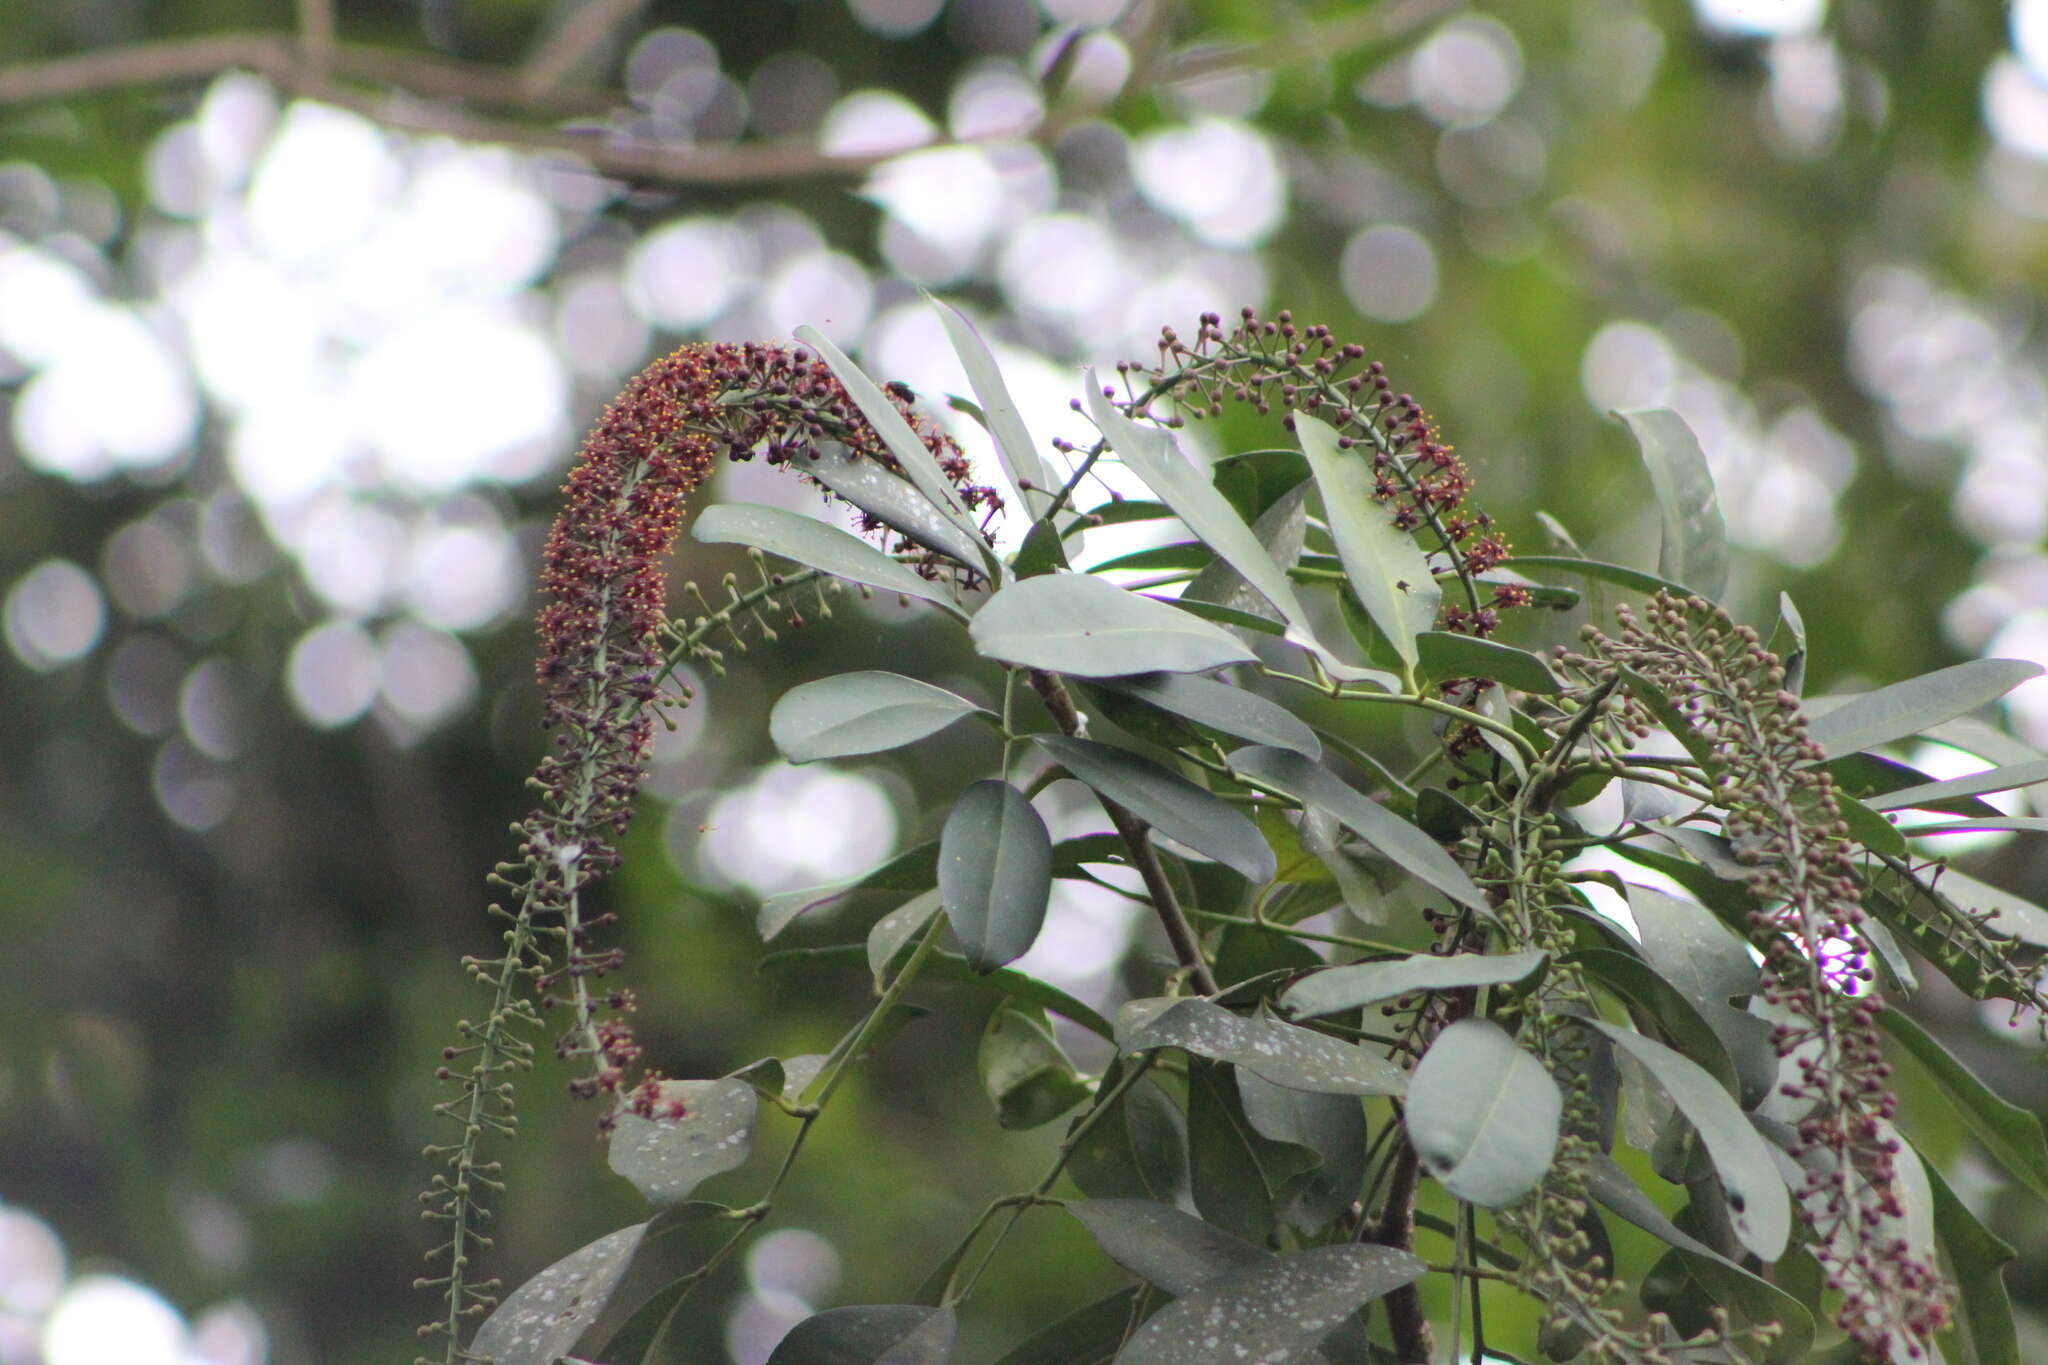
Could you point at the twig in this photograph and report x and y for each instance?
(561, 51)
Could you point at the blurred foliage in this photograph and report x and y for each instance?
(216, 1050)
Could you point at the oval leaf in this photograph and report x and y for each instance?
(1385, 566)
(1218, 705)
(1695, 548)
(666, 1159)
(1759, 1205)
(1314, 785)
(1078, 624)
(1907, 708)
(995, 873)
(861, 713)
(1366, 983)
(1483, 1114)
(811, 542)
(1169, 803)
(541, 1320)
(1273, 1312)
(1298, 1058)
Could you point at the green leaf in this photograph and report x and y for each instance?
(864, 712)
(1907, 708)
(1284, 1054)
(1232, 710)
(1924, 795)
(905, 444)
(540, 1321)
(1277, 1311)
(874, 489)
(1445, 654)
(914, 869)
(1023, 1071)
(943, 966)
(1163, 1246)
(995, 873)
(1152, 454)
(1355, 984)
(1695, 546)
(1307, 782)
(2011, 1134)
(1385, 566)
(870, 1334)
(1983, 1327)
(893, 932)
(1224, 1173)
(1760, 1207)
(1086, 1336)
(811, 542)
(1015, 450)
(1617, 574)
(667, 1159)
(1078, 624)
(1483, 1114)
(1169, 803)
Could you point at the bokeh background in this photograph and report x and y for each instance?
(303, 308)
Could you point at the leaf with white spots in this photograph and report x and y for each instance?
(1273, 1314)
(543, 1318)
(1298, 1058)
(668, 1158)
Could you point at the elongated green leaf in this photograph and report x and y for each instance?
(1977, 1258)
(1152, 454)
(1086, 1336)
(1276, 1311)
(1483, 1114)
(1314, 785)
(1695, 548)
(861, 713)
(1233, 710)
(914, 869)
(1077, 624)
(540, 1321)
(1448, 655)
(811, 542)
(1335, 989)
(893, 932)
(2009, 778)
(1907, 708)
(887, 496)
(905, 444)
(995, 873)
(1619, 575)
(1760, 1207)
(1164, 1246)
(1284, 1054)
(668, 1158)
(2011, 1134)
(868, 1334)
(943, 966)
(1023, 1071)
(1014, 448)
(1169, 803)
(1386, 567)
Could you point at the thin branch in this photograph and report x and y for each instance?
(562, 51)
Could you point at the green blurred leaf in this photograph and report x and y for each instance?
(667, 1159)
(1284, 1054)
(863, 712)
(1023, 1071)
(1295, 776)
(1483, 1114)
(1695, 544)
(1907, 708)
(2011, 1134)
(541, 1320)
(1168, 802)
(811, 542)
(1384, 565)
(1273, 1312)
(1077, 624)
(1759, 1205)
(995, 873)
(1335, 989)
